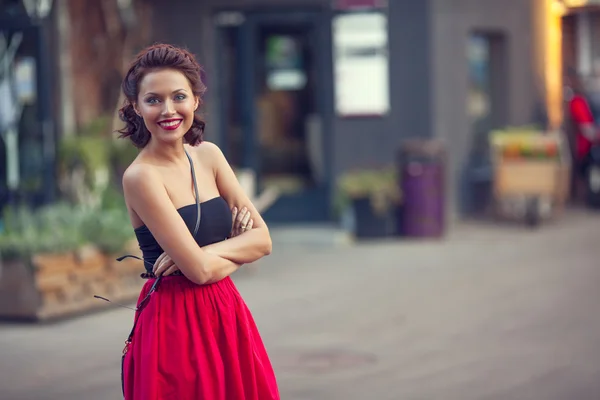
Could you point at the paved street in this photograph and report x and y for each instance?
(492, 313)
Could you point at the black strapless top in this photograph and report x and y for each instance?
(215, 226)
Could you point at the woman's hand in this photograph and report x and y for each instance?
(164, 266)
(241, 221)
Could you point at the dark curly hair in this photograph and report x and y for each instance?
(154, 58)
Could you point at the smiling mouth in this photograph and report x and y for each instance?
(171, 124)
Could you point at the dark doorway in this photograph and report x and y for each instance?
(487, 110)
(274, 110)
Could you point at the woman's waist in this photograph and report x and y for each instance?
(179, 283)
(150, 275)
(181, 296)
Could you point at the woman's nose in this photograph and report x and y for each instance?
(168, 108)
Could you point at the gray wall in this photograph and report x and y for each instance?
(372, 141)
(428, 71)
(452, 21)
(356, 141)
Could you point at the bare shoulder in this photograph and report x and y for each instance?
(208, 150)
(210, 155)
(140, 175)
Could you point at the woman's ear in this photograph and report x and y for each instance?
(197, 104)
(135, 108)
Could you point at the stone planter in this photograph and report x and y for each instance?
(47, 286)
(19, 297)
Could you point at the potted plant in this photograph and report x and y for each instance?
(56, 258)
(372, 198)
(37, 251)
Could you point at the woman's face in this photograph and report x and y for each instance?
(167, 104)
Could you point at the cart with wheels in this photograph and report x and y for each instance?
(531, 173)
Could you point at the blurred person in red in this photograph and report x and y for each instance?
(193, 336)
(583, 128)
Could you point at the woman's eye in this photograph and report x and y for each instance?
(180, 97)
(152, 100)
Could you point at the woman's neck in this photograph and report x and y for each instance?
(166, 153)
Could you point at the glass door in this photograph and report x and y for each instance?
(274, 124)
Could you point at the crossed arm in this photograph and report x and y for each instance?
(210, 263)
(231, 250)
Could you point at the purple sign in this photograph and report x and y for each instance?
(347, 5)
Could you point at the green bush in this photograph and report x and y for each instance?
(64, 227)
(51, 229)
(94, 212)
(379, 185)
(108, 227)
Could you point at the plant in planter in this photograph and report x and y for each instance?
(52, 229)
(110, 235)
(107, 226)
(373, 197)
(57, 257)
(37, 249)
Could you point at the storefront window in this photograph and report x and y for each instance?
(21, 174)
(284, 63)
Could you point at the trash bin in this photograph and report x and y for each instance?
(422, 180)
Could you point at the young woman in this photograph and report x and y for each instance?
(193, 335)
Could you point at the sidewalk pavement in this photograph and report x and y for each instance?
(490, 313)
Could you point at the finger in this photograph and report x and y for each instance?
(236, 222)
(158, 261)
(234, 213)
(239, 220)
(158, 270)
(245, 220)
(241, 215)
(165, 265)
(250, 224)
(162, 263)
(170, 270)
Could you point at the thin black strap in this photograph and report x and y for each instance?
(195, 193)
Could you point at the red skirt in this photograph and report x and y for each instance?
(196, 342)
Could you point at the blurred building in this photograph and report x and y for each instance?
(300, 91)
(581, 35)
(27, 131)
